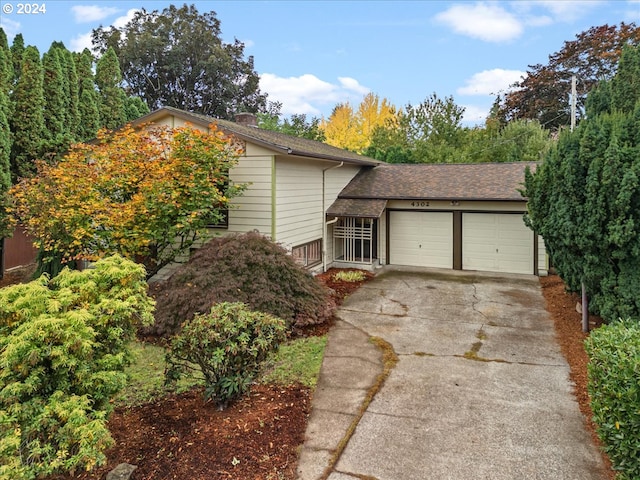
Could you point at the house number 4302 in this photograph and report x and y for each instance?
(419, 204)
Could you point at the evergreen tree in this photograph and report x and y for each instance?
(585, 198)
(112, 97)
(17, 52)
(135, 108)
(55, 111)
(4, 41)
(27, 121)
(71, 90)
(88, 99)
(6, 75)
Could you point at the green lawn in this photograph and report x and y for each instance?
(296, 362)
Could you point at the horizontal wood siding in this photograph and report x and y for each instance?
(252, 210)
(299, 208)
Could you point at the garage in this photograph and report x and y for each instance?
(422, 239)
(497, 242)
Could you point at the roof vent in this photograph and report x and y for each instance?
(247, 119)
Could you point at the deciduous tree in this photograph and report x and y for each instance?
(176, 57)
(353, 130)
(543, 94)
(145, 194)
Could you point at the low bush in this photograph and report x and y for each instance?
(614, 387)
(226, 347)
(350, 276)
(63, 349)
(246, 268)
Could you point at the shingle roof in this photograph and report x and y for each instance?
(356, 207)
(283, 143)
(478, 181)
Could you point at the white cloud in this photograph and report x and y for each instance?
(567, 10)
(123, 20)
(11, 28)
(474, 115)
(92, 13)
(83, 40)
(352, 84)
(308, 94)
(490, 82)
(488, 22)
(80, 42)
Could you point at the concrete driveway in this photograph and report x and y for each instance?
(480, 391)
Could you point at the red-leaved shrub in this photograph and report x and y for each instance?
(247, 268)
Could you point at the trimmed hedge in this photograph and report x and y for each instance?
(614, 387)
(247, 268)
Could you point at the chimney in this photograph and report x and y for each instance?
(247, 119)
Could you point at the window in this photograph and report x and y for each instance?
(222, 222)
(308, 254)
(354, 240)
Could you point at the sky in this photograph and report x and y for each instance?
(312, 55)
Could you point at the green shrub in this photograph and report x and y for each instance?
(614, 387)
(350, 276)
(227, 347)
(246, 268)
(63, 349)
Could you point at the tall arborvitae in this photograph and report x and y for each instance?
(27, 121)
(55, 112)
(71, 90)
(135, 108)
(6, 78)
(17, 51)
(88, 105)
(112, 96)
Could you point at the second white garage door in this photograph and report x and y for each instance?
(496, 242)
(421, 239)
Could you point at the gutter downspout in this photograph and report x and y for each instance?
(325, 224)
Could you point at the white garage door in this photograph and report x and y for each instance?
(421, 239)
(496, 242)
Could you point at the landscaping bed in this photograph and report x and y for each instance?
(182, 436)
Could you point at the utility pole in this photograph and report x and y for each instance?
(585, 300)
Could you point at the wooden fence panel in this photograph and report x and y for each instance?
(18, 250)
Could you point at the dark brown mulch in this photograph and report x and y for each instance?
(568, 324)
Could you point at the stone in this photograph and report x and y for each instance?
(121, 472)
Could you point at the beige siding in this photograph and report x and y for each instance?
(299, 197)
(462, 205)
(252, 210)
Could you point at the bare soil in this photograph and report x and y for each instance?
(258, 437)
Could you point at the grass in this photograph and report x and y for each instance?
(146, 376)
(297, 361)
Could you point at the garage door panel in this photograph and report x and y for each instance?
(496, 242)
(423, 239)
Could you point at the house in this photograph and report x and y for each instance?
(330, 207)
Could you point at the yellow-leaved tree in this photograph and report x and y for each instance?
(144, 193)
(353, 130)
